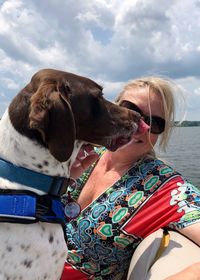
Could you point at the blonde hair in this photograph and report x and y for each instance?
(166, 89)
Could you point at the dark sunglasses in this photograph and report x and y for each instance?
(157, 124)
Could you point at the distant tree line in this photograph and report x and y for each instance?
(187, 123)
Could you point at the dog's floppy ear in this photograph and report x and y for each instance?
(51, 114)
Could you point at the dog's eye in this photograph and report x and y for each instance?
(100, 94)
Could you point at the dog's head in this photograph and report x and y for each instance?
(57, 107)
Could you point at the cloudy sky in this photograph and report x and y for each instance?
(110, 41)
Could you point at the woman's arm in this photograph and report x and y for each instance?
(192, 232)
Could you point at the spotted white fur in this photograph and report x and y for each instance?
(35, 251)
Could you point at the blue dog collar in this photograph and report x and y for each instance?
(27, 207)
(48, 184)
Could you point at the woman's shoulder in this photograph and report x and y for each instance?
(153, 166)
(170, 175)
(165, 167)
(155, 169)
(157, 162)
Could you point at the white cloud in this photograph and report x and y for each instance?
(88, 17)
(197, 92)
(112, 89)
(9, 83)
(2, 95)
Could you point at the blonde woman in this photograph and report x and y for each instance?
(128, 194)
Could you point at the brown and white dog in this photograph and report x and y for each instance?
(43, 130)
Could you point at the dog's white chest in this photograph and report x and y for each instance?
(30, 251)
(36, 251)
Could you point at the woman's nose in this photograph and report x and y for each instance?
(143, 127)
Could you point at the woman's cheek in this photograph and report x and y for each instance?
(153, 138)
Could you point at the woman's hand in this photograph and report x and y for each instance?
(84, 159)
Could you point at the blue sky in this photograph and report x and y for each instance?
(109, 41)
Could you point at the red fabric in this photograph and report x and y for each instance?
(156, 213)
(69, 273)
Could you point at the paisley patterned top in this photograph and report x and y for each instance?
(149, 196)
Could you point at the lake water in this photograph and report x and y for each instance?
(183, 153)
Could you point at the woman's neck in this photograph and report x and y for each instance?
(118, 161)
